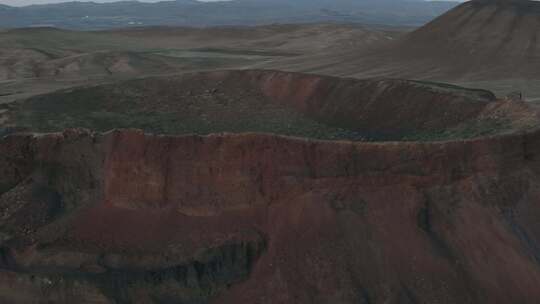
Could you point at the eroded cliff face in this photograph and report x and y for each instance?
(125, 217)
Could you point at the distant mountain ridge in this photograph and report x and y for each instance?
(90, 15)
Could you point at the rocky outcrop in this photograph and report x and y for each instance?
(127, 217)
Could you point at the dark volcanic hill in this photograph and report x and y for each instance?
(480, 40)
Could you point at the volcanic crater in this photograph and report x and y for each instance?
(264, 101)
(252, 216)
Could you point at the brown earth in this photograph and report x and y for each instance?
(125, 217)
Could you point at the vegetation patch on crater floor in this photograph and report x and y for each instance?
(281, 103)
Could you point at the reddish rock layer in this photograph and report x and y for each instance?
(264, 219)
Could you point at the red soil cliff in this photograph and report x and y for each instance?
(125, 217)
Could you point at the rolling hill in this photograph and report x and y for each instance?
(38, 60)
